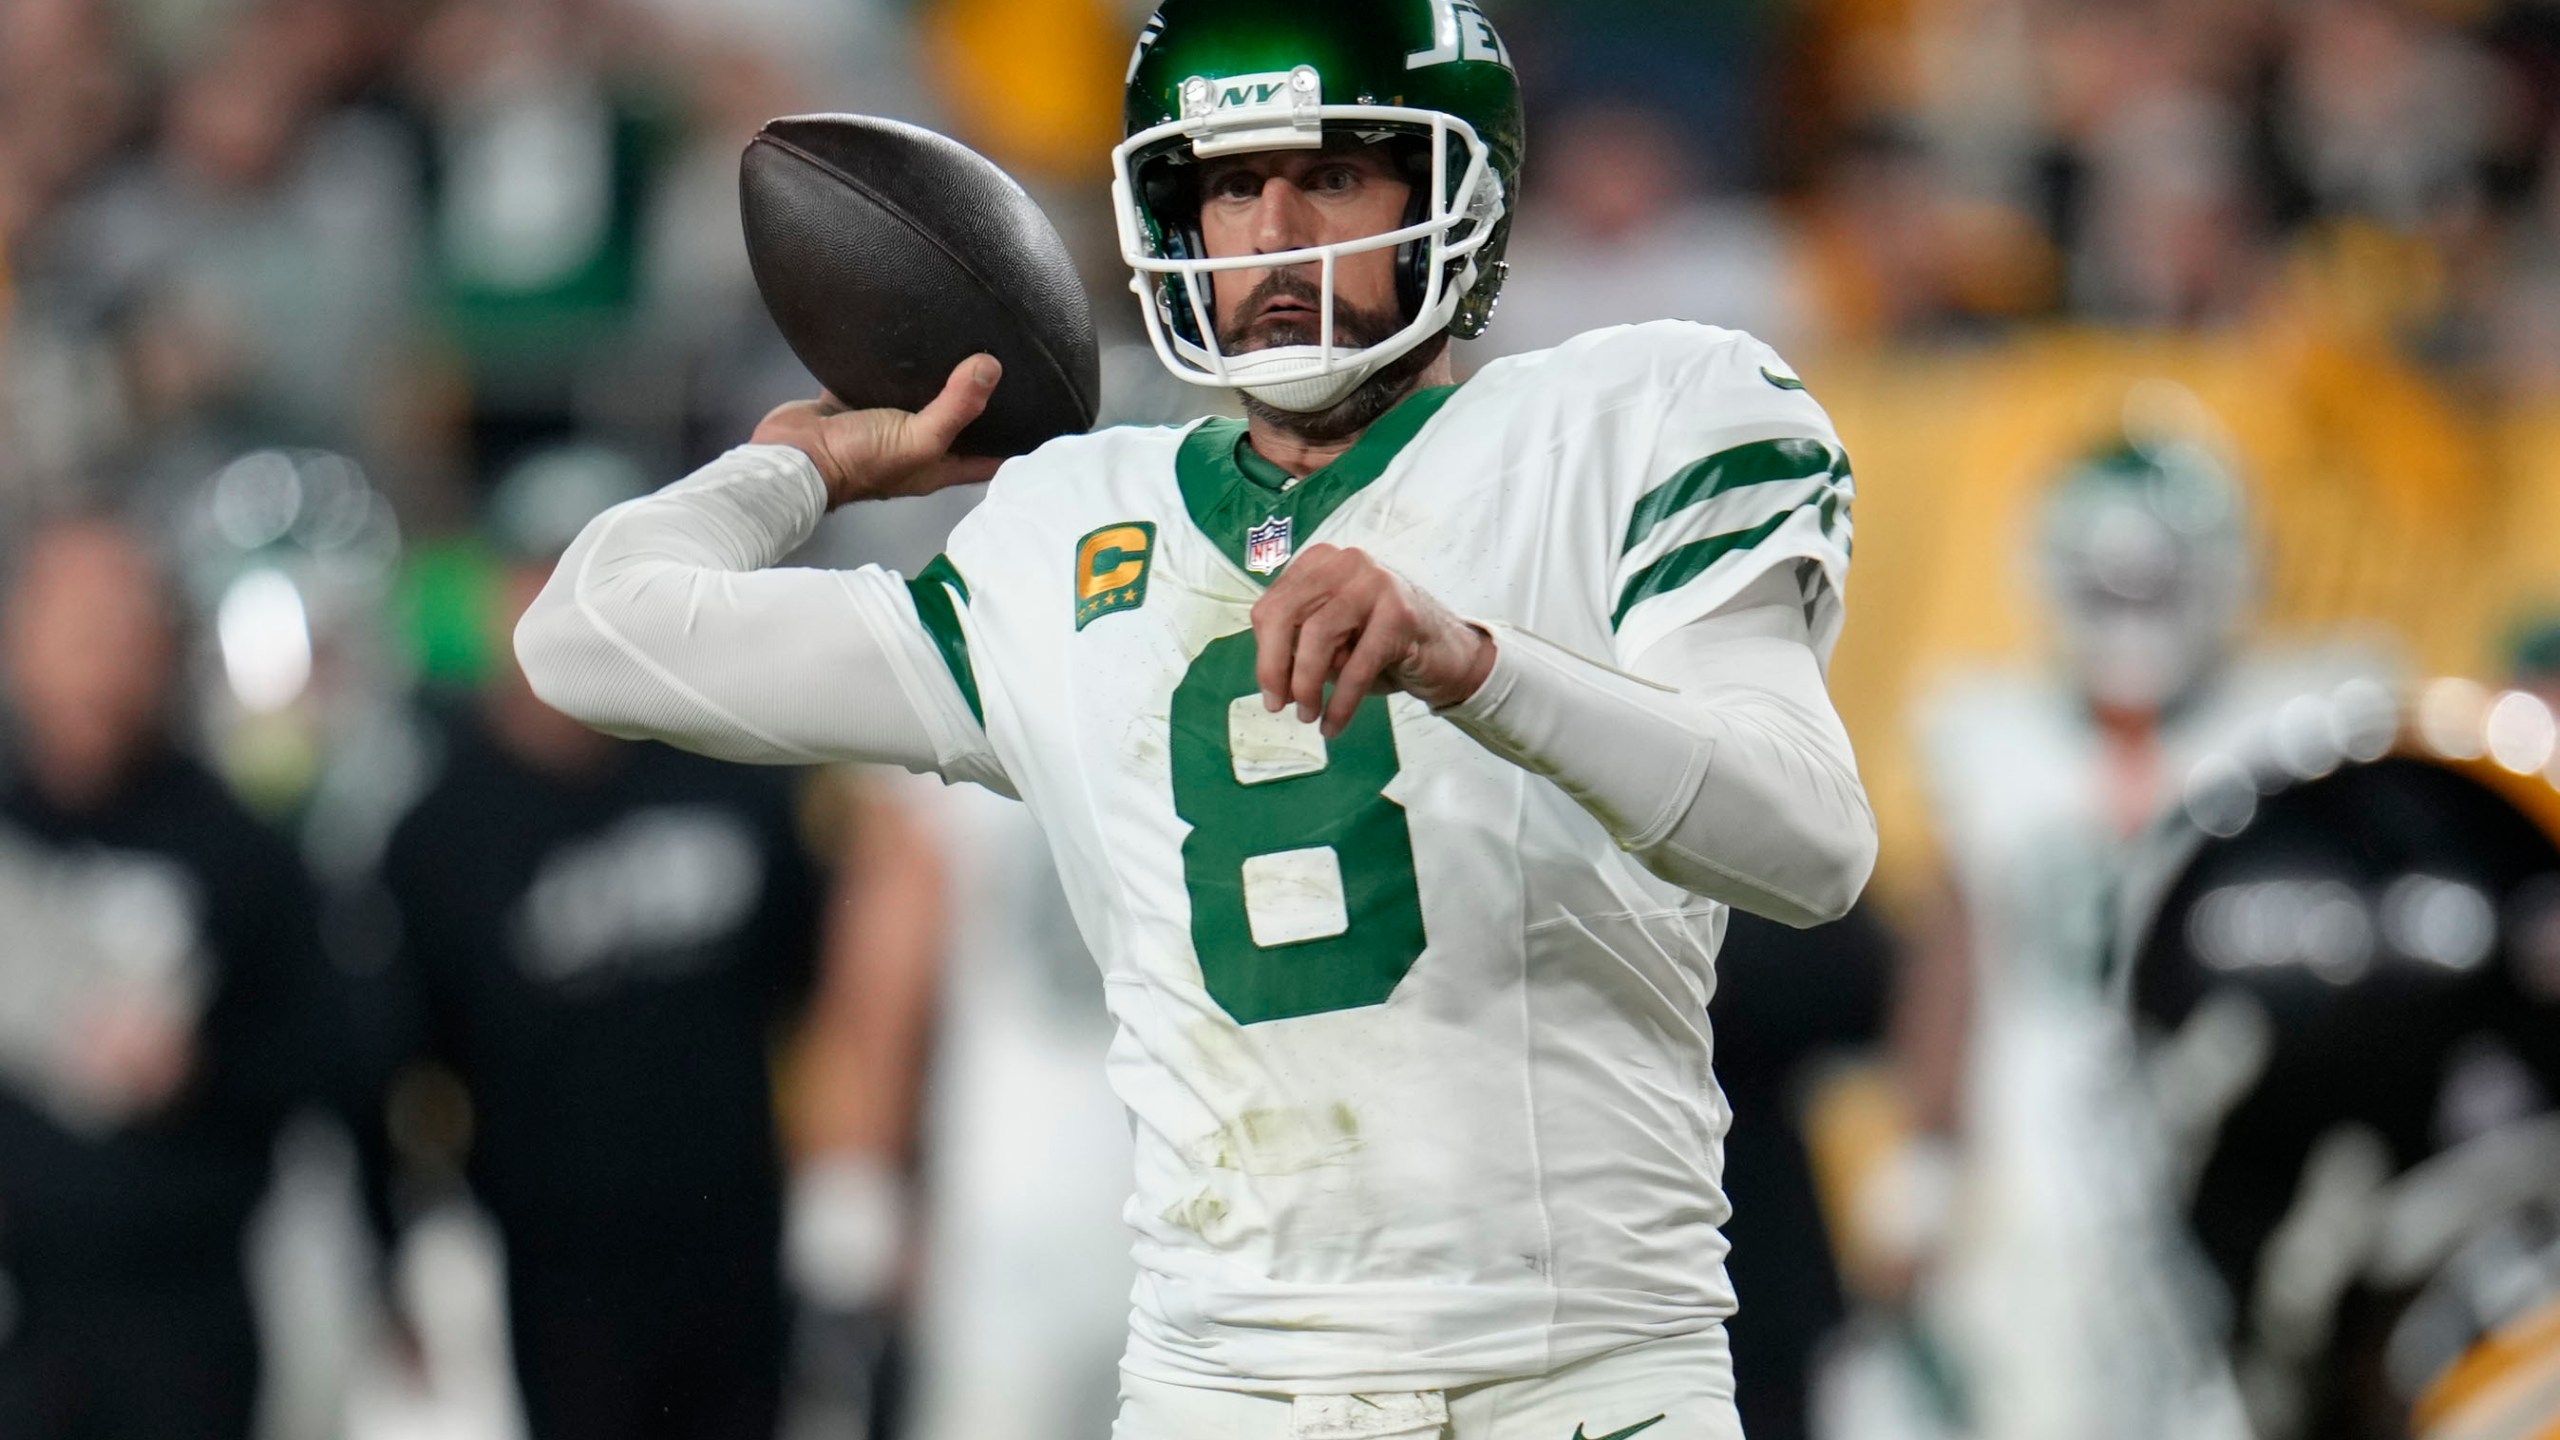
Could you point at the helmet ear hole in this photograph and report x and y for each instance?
(1185, 244)
(1413, 260)
(1171, 196)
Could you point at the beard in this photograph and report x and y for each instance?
(1353, 328)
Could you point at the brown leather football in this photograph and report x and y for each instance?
(888, 254)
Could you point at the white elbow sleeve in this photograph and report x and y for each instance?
(665, 620)
(567, 663)
(1782, 816)
(1739, 785)
(1620, 746)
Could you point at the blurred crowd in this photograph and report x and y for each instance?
(383, 1056)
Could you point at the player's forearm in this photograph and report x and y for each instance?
(1737, 784)
(663, 621)
(865, 1040)
(861, 1058)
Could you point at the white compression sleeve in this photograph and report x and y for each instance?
(664, 620)
(1735, 782)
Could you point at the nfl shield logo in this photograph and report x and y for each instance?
(1266, 546)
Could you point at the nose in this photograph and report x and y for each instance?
(1282, 220)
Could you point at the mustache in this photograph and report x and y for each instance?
(1353, 327)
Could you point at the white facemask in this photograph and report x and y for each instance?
(1285, 112)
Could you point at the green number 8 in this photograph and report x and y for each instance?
(1303, 894)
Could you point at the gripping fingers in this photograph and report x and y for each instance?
(953, 470)
(1325, 640)
(1275, 639)
(1358, 675)
(1276, 618)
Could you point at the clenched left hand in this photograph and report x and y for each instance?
(1338, 616)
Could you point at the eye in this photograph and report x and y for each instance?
(1333, 180)
(1232, 185)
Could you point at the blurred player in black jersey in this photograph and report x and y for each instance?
(608, 942)
(1787, 1002)
(163, 1007)
(2344, 960)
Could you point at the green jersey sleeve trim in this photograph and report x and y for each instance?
(1763, 463)
(932, 590)
(1694, 559)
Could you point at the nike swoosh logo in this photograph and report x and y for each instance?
(1641, 1424)
(1783, 382)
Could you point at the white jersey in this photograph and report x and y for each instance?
(1417, 1058)
(2066, 1292)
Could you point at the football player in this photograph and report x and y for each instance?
(1400, 747)
(2343, 954)
(2054, 1267)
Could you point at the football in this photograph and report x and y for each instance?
(887, 254)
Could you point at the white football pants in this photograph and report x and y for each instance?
(1679, 1389)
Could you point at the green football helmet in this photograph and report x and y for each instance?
(2147, 567)
(1219, 77)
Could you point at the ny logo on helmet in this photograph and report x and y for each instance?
(1459, 31)
(1251, 92)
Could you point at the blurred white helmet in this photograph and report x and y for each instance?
(2145, 559)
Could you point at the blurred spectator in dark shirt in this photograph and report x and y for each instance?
(163, 1006)
(608, 941)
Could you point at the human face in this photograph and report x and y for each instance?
(1271, 201)
(2144, 609)
(91, 654)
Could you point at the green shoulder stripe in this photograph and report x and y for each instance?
(1763, 463)
(933, 588)
(1689, 562)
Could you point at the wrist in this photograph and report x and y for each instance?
(1481, 651)
(1473, 674)
(783, 432)
(833, 478)
(785, 458)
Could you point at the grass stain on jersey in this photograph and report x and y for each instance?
(1279, 1140)
(1199, 1214)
